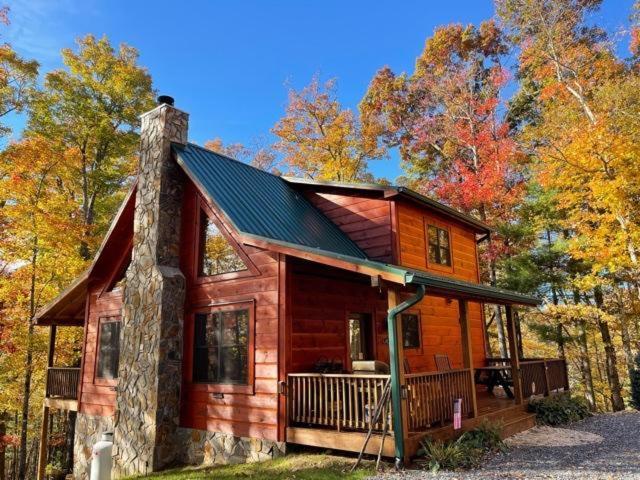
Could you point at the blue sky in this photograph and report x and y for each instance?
(229, 64)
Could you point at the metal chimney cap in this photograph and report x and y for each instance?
(165, 99)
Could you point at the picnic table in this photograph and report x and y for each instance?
(495, 375)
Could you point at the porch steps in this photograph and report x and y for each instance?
(514, 419)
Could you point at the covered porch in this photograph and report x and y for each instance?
(62, 381)
(334, 406)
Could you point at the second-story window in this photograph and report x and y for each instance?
(217, 255)
(439, 246)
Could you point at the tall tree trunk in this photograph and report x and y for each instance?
(611, 365)
(487, 338)
(28, 367)
(626, 343)
(70, 434)
(502, 340)
(14, 460)
(585, 364)
(3, 432)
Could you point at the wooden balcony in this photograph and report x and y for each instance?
(62, 387)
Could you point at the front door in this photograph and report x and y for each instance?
(360, 336)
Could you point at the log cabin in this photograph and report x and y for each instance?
(230, 312)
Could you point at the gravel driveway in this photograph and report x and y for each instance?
(605, 446)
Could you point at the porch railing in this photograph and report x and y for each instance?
(335, 401)
(540, 376)
(63, 382)
(431, 396)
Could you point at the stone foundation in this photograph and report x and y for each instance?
(88, 431)
(204, 448)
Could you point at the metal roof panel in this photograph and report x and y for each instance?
(260, 203)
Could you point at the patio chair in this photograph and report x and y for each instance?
(443, 364)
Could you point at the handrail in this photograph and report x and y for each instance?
(431, 396)
(63, 382)
(434, 373)
(336, 401)
(340, 375)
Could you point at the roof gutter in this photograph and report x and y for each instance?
(472, 290)
(394, 366)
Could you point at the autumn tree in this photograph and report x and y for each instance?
(92, 106)
(259, 154)
(586, 104)
(320, 139)
(447, 120)
(40, 256)
(17, 78)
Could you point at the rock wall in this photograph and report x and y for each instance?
(148, 398)
(209, 448)
(88, 431)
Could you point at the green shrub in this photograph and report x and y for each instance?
(559, 409)
(486, 437)
(465, 452)
(635, 383)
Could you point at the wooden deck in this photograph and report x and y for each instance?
(337, 410)
(514, 419)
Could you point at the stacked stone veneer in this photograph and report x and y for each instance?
(147, 436)
(150, 372)
(88, 431)
(199, 447)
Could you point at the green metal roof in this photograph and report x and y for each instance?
(391, 190)
(261, 204)
(267, 207)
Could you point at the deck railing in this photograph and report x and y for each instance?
(341, 402)
(431, 396)
(63, 382)
(540, 376)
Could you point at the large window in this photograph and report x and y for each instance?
(439, 246)
(221, 347)
(410, 330)
(217, 255)
(108, 348)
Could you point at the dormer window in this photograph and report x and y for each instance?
(217, 255)
(439, 246)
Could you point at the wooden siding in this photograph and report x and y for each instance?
(97, 397)
(412, 222)
(322, 298)
(203, 406)
(439, 316)
(367, 221)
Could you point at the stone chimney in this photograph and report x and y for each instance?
(150, 371)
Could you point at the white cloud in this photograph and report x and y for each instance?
(40, 28)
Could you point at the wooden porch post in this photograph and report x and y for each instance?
(513, 354)
(467, 353)
(44, 432)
